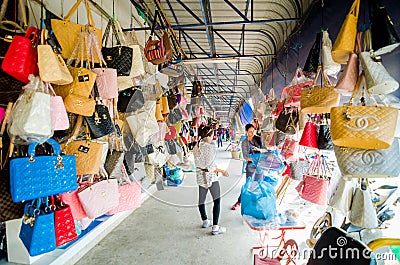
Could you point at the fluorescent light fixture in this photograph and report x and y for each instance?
(211, 60)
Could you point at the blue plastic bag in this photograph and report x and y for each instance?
(258, 199)
(273, 180)
(267, 161)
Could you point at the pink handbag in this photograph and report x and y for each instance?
(71, 198)
(292, 93)
(2, 113)
(314, 186)
(290, 149)
(58, 113)
(130, 196)
(99, 197)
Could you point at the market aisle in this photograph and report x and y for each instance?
(166, 229)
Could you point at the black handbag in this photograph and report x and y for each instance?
(9, 210)
(147, 150)
(312, 62)
(118, 57)
(287, 121)
(172, 101)
(196, 89)
(100, 123)
(130, 99)
(172, 147)
(10, 88)
(324, 139)
(175, 116)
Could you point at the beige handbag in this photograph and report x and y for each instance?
(331, 68)
(52, 67)
(362, 211)
(319, 99)
(344, 43)
(366, 127)
(67, 32)
(79, 105)
(83, 78)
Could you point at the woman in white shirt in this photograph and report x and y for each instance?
(207, 177)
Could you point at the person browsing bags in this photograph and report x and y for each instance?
(207, 177)
(253, 144)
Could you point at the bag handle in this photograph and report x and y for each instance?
(56, 148)
(111, 25)
(355, 8)
(17, 27)
(94, 48)
(75, 7)
(327, 81)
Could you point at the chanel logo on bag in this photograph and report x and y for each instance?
(362, 123)
(370, 157)
(109, 58)
(96, 118)
(83, 149)
(83, 78)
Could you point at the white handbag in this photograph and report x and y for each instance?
(143, 123)
(331, 68)
(362, 211)
(160, 155)
(342, 195)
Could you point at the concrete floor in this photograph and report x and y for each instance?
(166, 229)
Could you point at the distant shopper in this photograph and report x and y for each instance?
(207, 178)
(220, 132)
(251, 145)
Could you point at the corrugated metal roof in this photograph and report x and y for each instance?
(251, 32)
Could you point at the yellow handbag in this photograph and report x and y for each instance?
(164, 105)
(319, 99)
(159, 115)
(346, 39)
(67, 32)
(365, 127)
(79, 105)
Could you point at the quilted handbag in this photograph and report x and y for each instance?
(119, 56)
(319, 99)
(312, 61)
(10, 88)
(379, 81)
(315, 185)
(368, 163)
(342, 195)
(366, 127)
(21, 58)
(52, 67)
(345, 41)
(175, 115)
(100, 123)
(362, 210)
(309, 135)
(298, 169)
(289, 149)
(80, 105)
(292, 94)
(37, 231)
(64, 224)
(9, 210)
(331, 68)
(42, 175)
(324, 139)
(67, 32)
(150, 172)
(130, 197)
(58, 113)
(99, 197)
(114, 164)
(71, 198)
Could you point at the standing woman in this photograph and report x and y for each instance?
(251, 145)
(207, 177)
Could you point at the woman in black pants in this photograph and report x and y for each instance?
(207, 177)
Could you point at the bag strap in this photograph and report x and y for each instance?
(17, 28)
(355, 7)
(72, 10)
(110, 25)
(94, 48)
(327, 81)
(153, 27)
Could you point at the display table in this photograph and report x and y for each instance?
(285, 246)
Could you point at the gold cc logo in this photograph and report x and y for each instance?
(362, 123)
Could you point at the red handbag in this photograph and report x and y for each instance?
(309, 136)
(64, 223)
(289, 149)
(21, 58)
(171, 135)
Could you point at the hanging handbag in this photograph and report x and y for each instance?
(130, 196)
(143, 123)
(42, 175)
(331, 68)
(342, 195)
(324, 139)
(268, 124)
(319, 99)
(291, 94)
(58, 113)
(362, 210)
(10, 88)
(67, 32)
(88, 154)
(99, 197)
(384, 36)
(298, 169)
(160, 155)
(311, 66)
(315, 184)
(21, 58)
(9, 210)
(158, 51)
(174, 69)
(287, 121)
(309, 135)
(64, 224)
(37, 231)
(114, 164)
(30, 116)
(83, 77)
(80, 105)
(130, 99)
(379, 81)
(367, 163)
(119, 56)
(290, 149)
(52, 67)
(175, 115)
(348, 79)
(344, 43)
(366, 127)
(71, 198)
